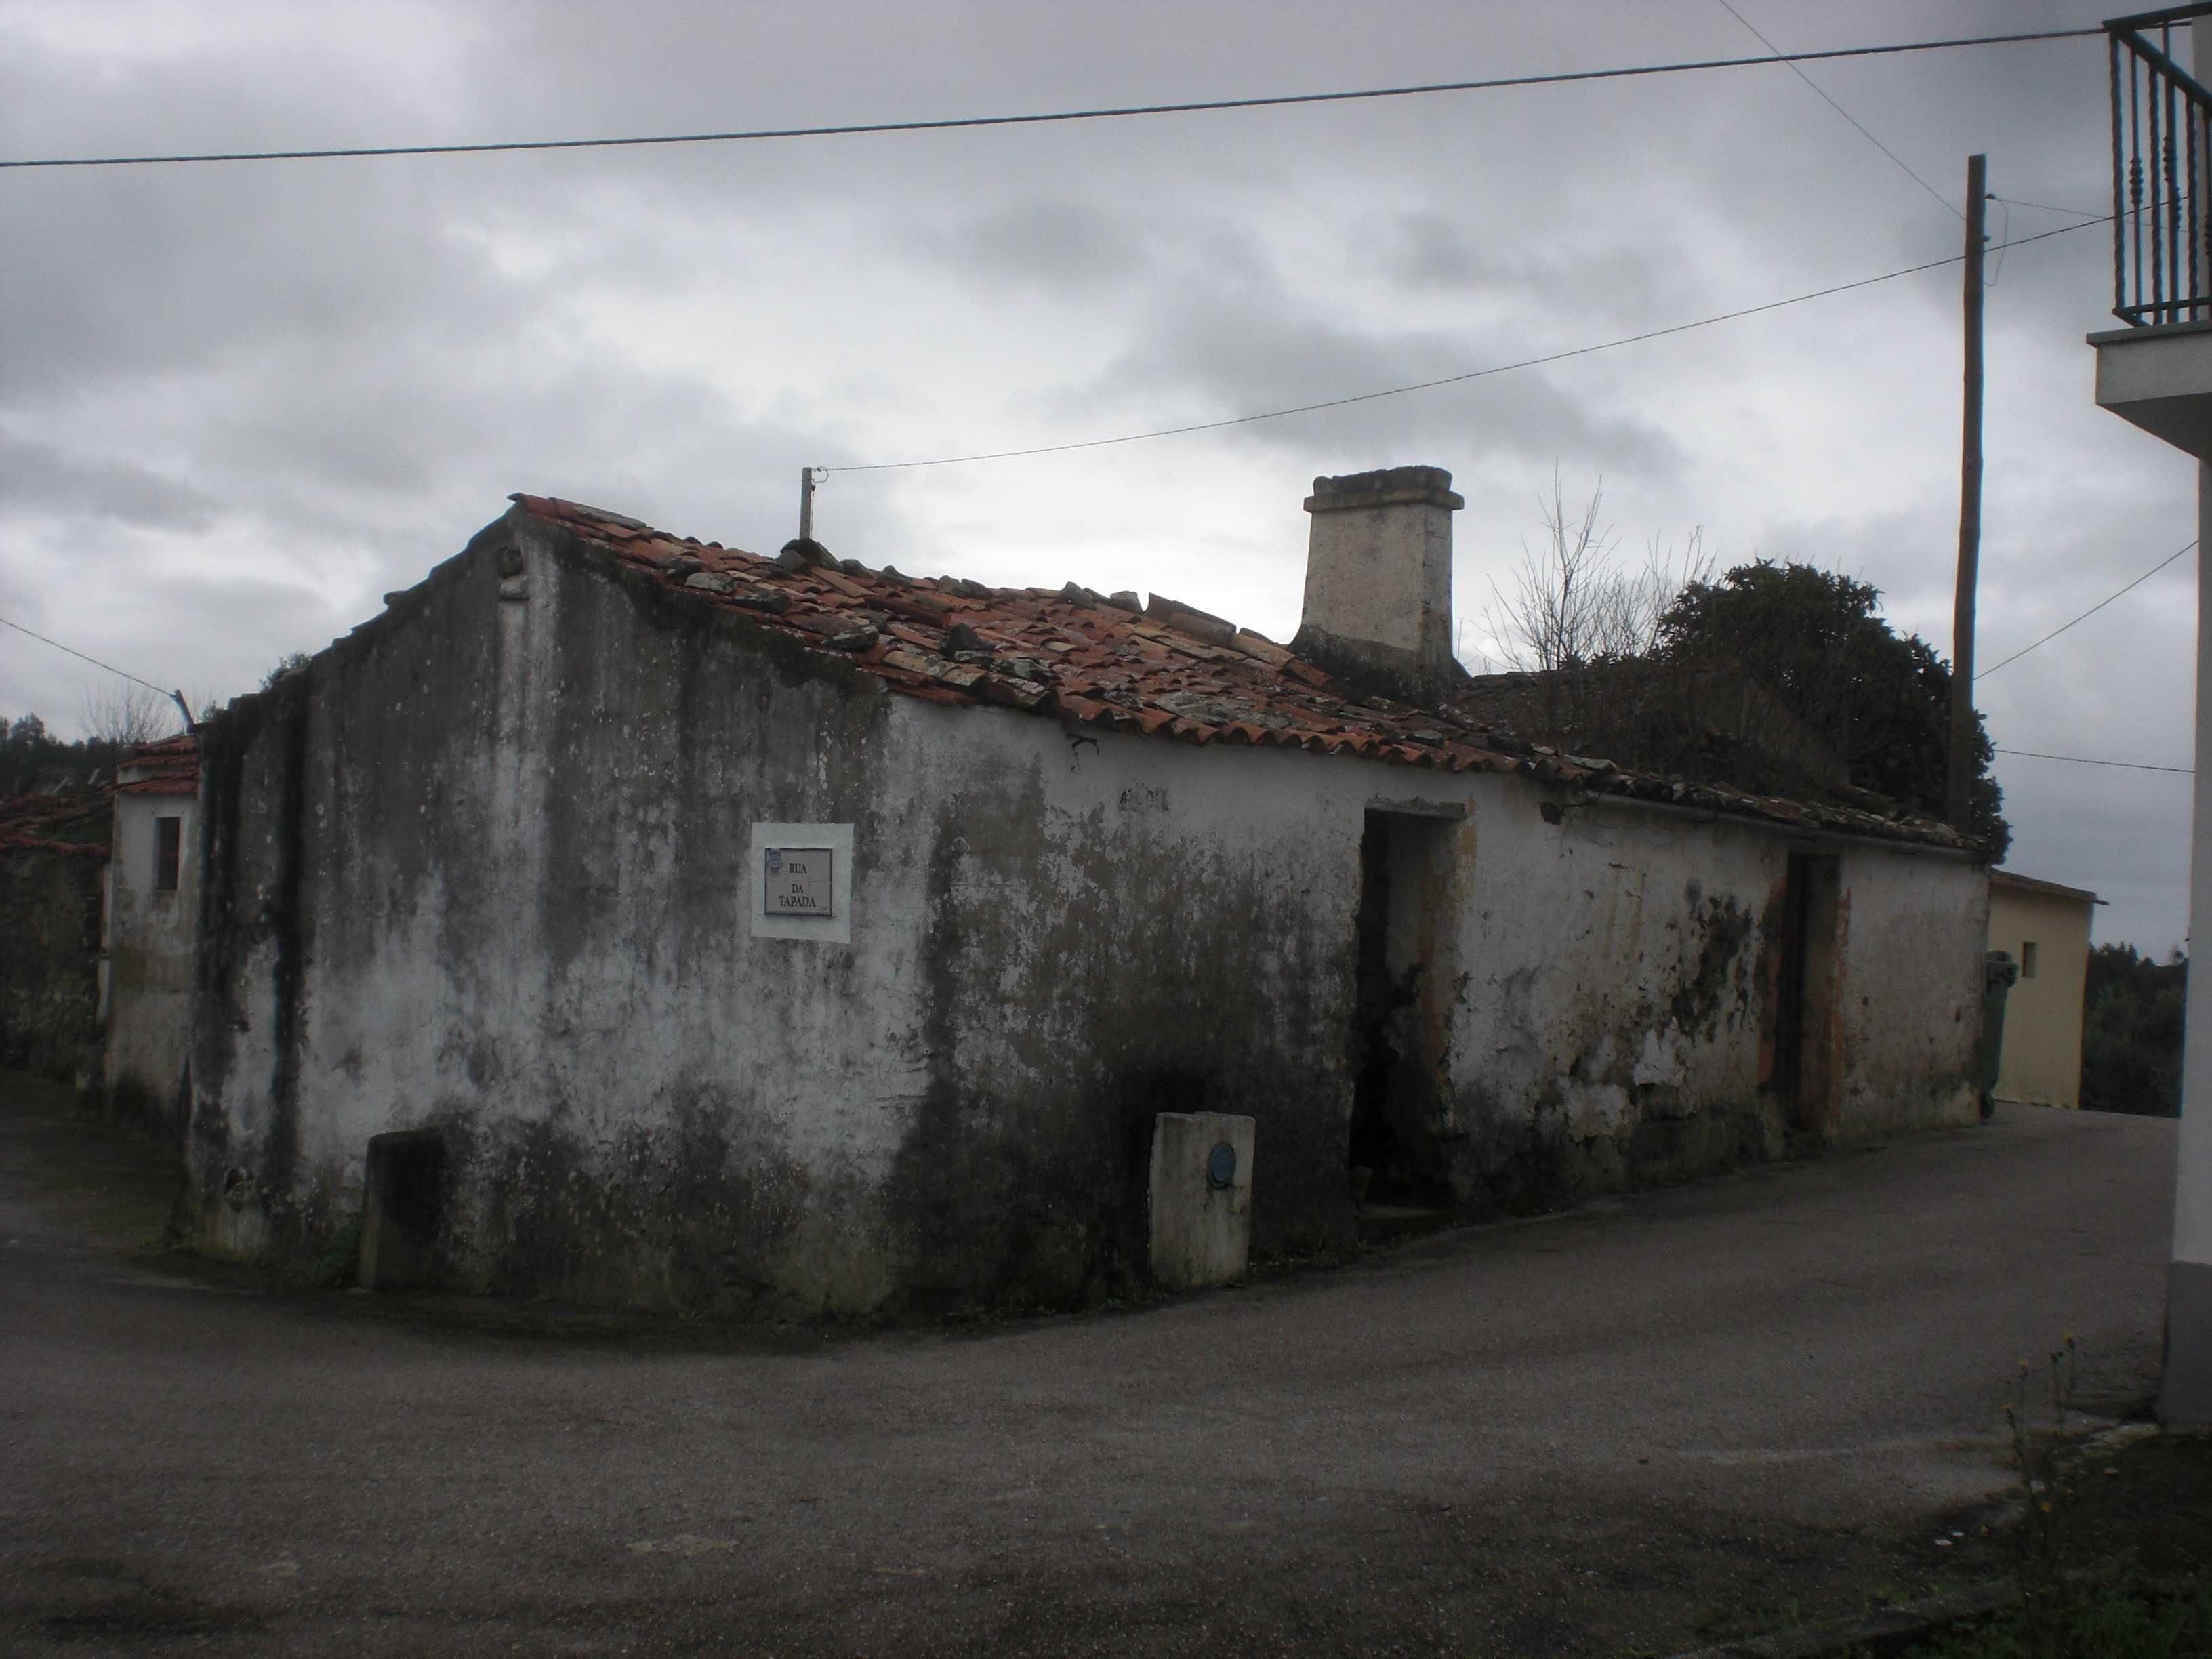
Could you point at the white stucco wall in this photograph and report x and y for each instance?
(1909, 991)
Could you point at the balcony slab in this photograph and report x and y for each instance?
(2160, 378)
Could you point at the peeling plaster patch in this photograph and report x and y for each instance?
(1661, 1062)
(1597, 1110)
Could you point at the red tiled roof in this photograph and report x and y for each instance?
(171, 767)
(56, 821)
(2020, 884)
(1168, 671)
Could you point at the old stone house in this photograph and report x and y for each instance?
(689, 926)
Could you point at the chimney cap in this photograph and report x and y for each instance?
(1394, 486)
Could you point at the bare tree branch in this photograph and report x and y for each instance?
(126, 714)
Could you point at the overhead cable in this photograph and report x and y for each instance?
(1441, 381)
(95, 662)
(858, 129)
(2084, 760)
(1947, 206)
(2045, 207)
(2086, 615)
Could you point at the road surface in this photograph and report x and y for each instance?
(1643, 1425)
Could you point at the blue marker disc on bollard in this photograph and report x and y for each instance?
(1221, 1165)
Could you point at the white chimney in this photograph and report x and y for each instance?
(1379, 574)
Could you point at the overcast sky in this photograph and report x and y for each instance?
(239, 402)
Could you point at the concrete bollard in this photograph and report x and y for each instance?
(1202, 1198)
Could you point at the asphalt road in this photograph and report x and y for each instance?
(1647, 1424)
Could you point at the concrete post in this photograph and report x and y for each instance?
(1201, 1198)
(2185, 1392)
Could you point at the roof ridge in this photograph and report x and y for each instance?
(1166, 670)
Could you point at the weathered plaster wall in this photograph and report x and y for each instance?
(421, 912)
(49, 962)
(1606, 998)
(484, 868)
(1909, 994)
(1115, 927)
(149, 949)
(1613, 993)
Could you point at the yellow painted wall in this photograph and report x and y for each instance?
(2042, 1061)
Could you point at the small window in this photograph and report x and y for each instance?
(169, 835)
(2027, 959)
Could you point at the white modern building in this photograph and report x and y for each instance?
(2156, 372)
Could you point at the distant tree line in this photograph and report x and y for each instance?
(2131, 1032)
(114, 722)
(33, 757)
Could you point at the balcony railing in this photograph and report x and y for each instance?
(2161, 149)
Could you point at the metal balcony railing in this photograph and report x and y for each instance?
(2161, 149)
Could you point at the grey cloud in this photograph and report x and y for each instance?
(41, 478)
(242, 273)
(1231, 354)
(1428, 252)
(1054, 245)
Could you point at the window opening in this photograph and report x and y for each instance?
(168, 838)
(2027, 959)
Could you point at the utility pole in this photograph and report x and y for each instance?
(806, 503)
(1959, 795)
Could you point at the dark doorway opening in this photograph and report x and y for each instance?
(402, 1210)
(1805, 1017)
(1401, 1093)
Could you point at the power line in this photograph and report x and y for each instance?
(1779, 57)
(2086, 615)
(2084, 760)
(73, 652)
(2045, 207)
(1426, 385)
(950, 123)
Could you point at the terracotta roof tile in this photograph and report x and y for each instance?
(1172, 671)
(171, 767)
(58, 821)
